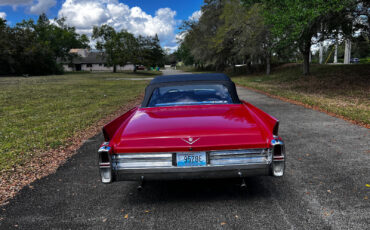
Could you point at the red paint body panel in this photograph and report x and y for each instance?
(266, 119)
(111, 128)
(212, 127)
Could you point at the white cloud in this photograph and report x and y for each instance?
(170, 49)
(15, 2)
(180, 36)
(35, 7)
(84, 14)
(42, 6)
(196, 15)
(2, 15)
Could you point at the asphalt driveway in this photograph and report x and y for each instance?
(328, 167)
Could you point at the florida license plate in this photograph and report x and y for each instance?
(191, 159)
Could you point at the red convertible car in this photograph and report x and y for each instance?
(188, 127)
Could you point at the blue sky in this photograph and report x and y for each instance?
(144, 17)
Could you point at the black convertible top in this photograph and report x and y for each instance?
(191, 77)
(186, 79)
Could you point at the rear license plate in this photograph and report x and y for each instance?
(191, 159)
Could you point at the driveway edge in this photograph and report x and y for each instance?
(307, 106)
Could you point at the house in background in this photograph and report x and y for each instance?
(90, 61)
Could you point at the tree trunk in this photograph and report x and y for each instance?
(321, 51)
(336, 53)
(249, 67)
(306, 50)
(268, 65)
(114, 69)
(306, 63)
(347, 52)
(134, 68)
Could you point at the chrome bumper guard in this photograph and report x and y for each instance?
(168, 160)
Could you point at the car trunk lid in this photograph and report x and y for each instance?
(190, 128)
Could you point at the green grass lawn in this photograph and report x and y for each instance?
(39, 113)
(339, 89)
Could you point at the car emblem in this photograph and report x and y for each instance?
(190, 140)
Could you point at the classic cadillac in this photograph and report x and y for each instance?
(188, 127)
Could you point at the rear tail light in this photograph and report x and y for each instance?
(105, 165)
(278, 158)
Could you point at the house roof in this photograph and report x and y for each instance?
(91, 58)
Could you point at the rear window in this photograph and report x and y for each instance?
(190, 95)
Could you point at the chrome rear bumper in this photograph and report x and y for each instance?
(220, 164)
(204, 172)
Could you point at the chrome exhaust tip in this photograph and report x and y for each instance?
(141, 186)
(243, 185)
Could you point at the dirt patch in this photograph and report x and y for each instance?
(45, 163)
(131, 79)
(287, 65)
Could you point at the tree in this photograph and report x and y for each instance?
(5, 48)
(157, 52)
(122, 47)
(118, 47)
(150, 52)
(232, 31)
(58, 37)
(183, 53)
(199, 36)
(228, 33)
(247, 34)
(171, 58)
(296, 22)
(34, 48)
(128, 49)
